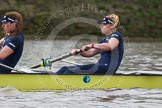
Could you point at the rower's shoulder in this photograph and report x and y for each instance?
(117, 35)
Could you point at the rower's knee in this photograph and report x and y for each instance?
(62, 70)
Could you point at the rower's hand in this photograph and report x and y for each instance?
(74, 51)
(87, 47)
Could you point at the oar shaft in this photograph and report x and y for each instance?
(61, 57)
(8, 67)
(64, 56)
(54, 60)
(24, 70)
(57, 59)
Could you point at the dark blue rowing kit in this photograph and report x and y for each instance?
(16, 43)
(108, 63)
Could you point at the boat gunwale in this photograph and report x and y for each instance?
(117, 74)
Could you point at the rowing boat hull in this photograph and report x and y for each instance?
(30, 82)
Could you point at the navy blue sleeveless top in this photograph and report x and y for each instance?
(112, 58)
(16, 43)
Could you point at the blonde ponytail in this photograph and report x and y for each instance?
(114, 18)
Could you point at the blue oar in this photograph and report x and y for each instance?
(48, 62)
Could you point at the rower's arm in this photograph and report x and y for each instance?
(5, 52)
(91, 52)
(95, 48)
(112, 44)
(1, 41)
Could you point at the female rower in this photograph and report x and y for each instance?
(110, 48)
(13, 41)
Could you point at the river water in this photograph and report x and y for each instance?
(139, 56)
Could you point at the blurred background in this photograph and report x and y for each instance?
(140, 21)
(140, 18)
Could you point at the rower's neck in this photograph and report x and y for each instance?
(113, 30)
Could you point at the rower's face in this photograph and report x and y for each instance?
(8, 26)
(105, 29)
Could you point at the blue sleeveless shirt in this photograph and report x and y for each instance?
(112, 58)
(107, 64)
(16, 43)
